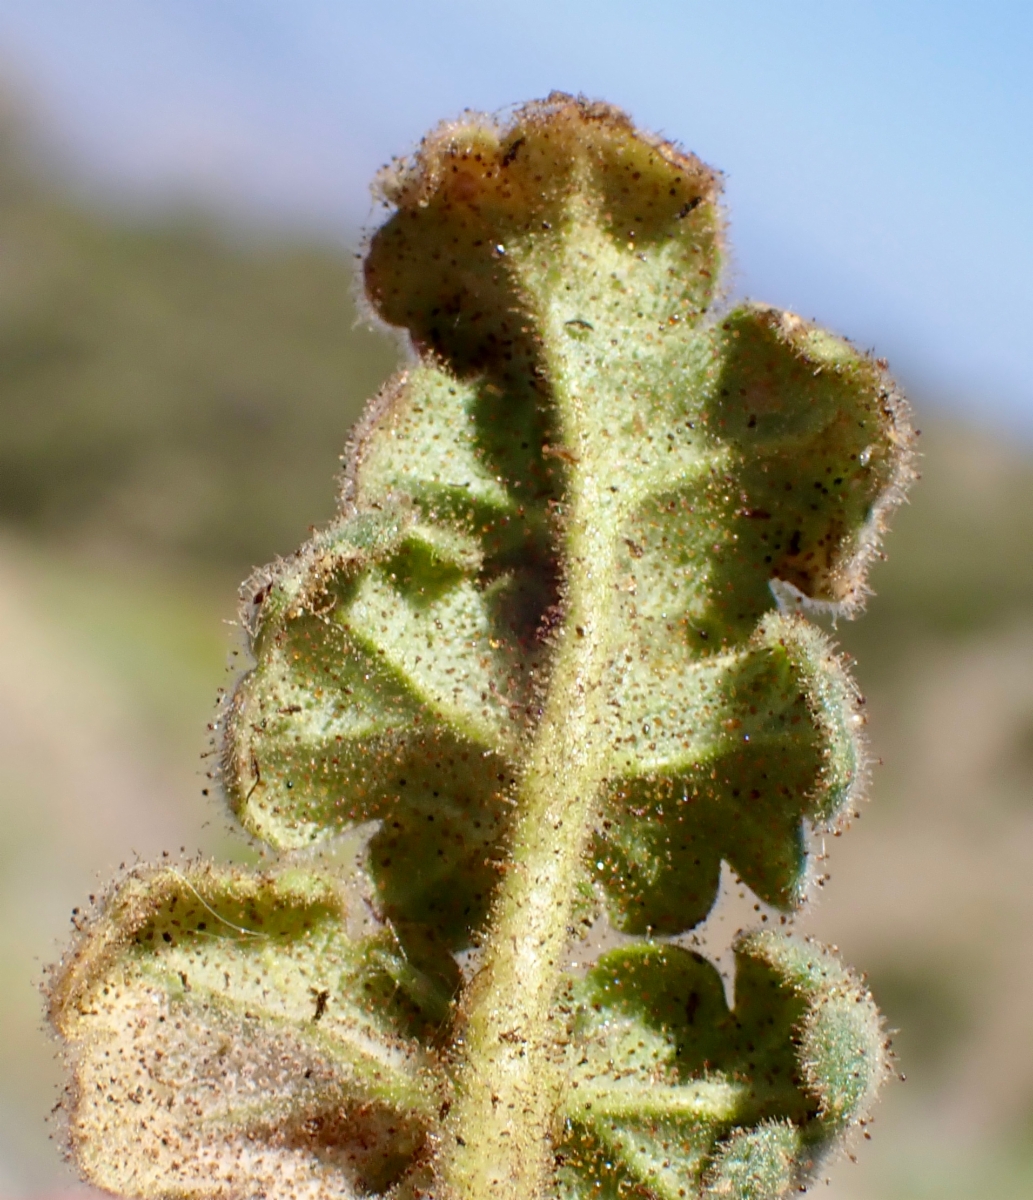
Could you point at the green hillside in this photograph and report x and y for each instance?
(168, 386)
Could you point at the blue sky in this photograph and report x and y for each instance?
(879, 155)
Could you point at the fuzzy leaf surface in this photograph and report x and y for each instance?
(552, 654)
(226, 1037)
(557, 278)
(673, 1094)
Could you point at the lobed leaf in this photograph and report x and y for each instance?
(766, 746)
(554, 645)
(555, 276)
(673, 1094)
(226, 1037)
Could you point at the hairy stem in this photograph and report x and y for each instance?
(508, 1083)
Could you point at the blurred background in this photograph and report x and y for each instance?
(183, 185)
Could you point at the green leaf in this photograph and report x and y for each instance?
(733, 758)
(756, 1164)
(671, 1094)
(556, 276)
(553, 648)
(226, 1037)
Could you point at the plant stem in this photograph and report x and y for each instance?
(508, 1082)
